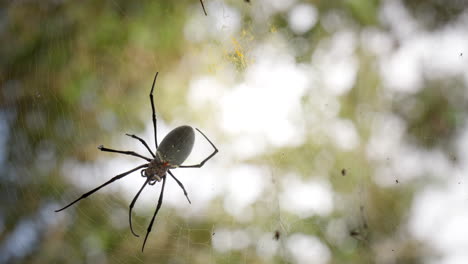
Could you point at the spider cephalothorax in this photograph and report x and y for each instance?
(156, 171)
(173, 151)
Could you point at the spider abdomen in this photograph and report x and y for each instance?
(176, 146)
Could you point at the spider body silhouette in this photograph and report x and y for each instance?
(172, 152)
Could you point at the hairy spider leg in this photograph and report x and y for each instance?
(154, 112)
(131, 207)
(155, 213)
(142, 142)
(131, 153)
(205, 160)
(203, 6)
(106, 183)
(180, 185)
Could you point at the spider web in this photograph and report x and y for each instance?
(341, 131)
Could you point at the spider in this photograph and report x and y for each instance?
(170, 154)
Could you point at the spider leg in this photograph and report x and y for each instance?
(100, 186)
(203, 6)
(143, 142)
(154, 112)
(131, 153)
(131, 207)
(155, 213)
(205, 160)
(181, 185)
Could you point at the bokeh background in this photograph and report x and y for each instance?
(341, 125)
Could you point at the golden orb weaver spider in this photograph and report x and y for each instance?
(170, 154)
